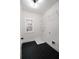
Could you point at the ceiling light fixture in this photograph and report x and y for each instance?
(35, 1)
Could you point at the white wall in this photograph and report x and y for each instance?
(37, 21)
(51, 26)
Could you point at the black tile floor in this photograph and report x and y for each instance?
(31, 50)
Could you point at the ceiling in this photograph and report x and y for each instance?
(41, 7)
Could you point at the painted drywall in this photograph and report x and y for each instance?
(51, 26)
(41, 8)
(36, 21)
